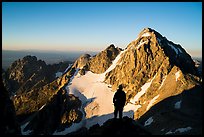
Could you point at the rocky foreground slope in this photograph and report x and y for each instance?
(176, 115)
(8, 124)
(114, 127)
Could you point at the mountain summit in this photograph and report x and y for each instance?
(151, 69)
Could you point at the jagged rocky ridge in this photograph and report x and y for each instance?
(151, 69)
(29, 73)
(32, 85)
(98, 63)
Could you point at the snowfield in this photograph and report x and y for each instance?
(91, 88)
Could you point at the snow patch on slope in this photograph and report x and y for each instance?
(176, 49)
(181, 130)
(141, 43)
(151, 102)
(147, 34)
(177, 74)
(42, 107)
(67, 68)
(159, 40)
(149, 121)
(162, 82)
(177, 105)
(180, 50)
(75, 73)
(143, 91)
(114, 63)
(131, 106)
(25, 132)
(58, 74)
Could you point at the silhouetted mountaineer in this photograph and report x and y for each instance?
(119, 100)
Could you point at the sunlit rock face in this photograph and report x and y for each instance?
(82, 61)
(28, 73)
(153, 67)
(102, 61)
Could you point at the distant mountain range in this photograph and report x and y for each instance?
(161, 81)
(50, 57)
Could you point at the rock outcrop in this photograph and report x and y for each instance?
(102, 61)
(25, 73)
(60, 112)
(29, 73)
(198, 65)
(99, 63)
(82, 61)
(32, 100)
(113, 127)
(182, 112)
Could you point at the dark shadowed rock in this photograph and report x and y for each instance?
(8, 124)
(60, 112)
(112, 127)
(177, 115)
